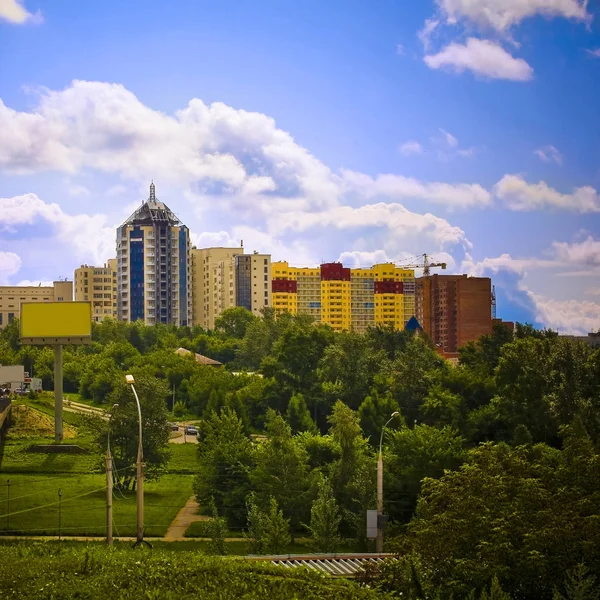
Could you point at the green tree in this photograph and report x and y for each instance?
(298, 416)
(375, 412)
(268, 529)
(124, 427)
(413, 454)
(233, 322)
(281, 471)
(325, 519)
(217, 530)
(579, 584)
(224, 457)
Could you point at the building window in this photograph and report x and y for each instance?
(11, 317)
(60, 299)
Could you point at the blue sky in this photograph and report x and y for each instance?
(317, 131)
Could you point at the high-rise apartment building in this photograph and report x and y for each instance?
(213, 283)
(454, 309)
(12, 296)
(98, 285)
(153, 266)
(253, 281)
(346, 298)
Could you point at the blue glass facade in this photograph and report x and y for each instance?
(136, 273)
(183, 283)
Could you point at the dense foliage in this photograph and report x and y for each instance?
(490, 467)
(47, 572)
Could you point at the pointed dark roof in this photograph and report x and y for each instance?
(153, 211)
(413, 325)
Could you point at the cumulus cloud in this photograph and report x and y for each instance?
(483, 57)
(411, 147)
(88, 235)
(10, 263)
(517, 194)
(500, 15)
(549, 154)
(595, 53)
(584, 254)
(398, 187)
(105, 127)
(13, 11)
(426, 33)
(574, 317)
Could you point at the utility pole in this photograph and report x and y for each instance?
(379, 543)
(109, 485)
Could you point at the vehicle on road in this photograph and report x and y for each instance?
(174, 426)
(191, 430)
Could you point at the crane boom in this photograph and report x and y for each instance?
(425, 265)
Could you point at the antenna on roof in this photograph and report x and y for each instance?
(152, 192)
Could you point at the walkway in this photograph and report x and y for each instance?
(185, 517)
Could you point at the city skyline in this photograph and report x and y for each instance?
(440, 128)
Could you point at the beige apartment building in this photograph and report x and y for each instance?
(213, 283)
(98, 285)
(11, 297)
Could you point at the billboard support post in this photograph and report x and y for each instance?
(58, 393)
(56, 324)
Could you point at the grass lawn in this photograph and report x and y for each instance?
(35, 479)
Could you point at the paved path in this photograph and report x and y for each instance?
(185, 517)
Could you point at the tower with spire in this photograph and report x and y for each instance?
(153, 266)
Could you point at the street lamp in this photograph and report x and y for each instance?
(140, 473)
(109, 483)
(379, 546)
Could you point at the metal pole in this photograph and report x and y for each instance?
(58, 393)
(109, 492)
(7, 504)
(379, 541)
(173, 407)
(59, 512)
(140, 477)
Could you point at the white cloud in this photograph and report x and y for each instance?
(213, 239)
(574, 317)
(482, 57)
(88, 235)
(450, 140)
(400, 49)
(549, 154)
(411, 147)
(34, 283)
(570, 316)
(584, 254)
(397, 187)
(105, 127)
(426, 33)
(395, 218)
(10, 263)
(503, 14)
(519, 195)
(13, 11)
(595, 53)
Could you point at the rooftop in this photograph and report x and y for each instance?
(153, 211)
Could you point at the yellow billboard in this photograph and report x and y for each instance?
(56, 322)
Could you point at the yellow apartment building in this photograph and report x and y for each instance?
(11, 298)
(98, 285)
(346, 298)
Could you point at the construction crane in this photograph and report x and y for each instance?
(425, 265)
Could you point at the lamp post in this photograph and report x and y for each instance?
(140, 472)
(109, 484)
(379, 545)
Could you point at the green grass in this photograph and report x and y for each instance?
(34, 505)
(45, 571)
(35, 479)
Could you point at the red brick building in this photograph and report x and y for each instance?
(454, 309)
